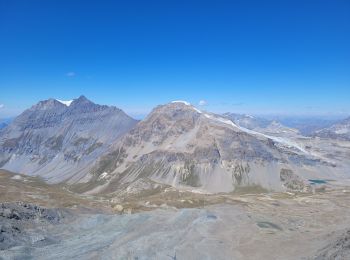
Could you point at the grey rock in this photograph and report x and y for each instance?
(338, 250)
(20, 222)
(58, 142)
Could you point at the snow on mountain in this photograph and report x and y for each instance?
(187, 104)
(181, 101)
(67, 103)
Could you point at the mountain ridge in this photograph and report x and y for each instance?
(99, 149)
(57, 141)
(339, 130)
(181, 146)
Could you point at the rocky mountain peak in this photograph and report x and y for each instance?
(178, 112)
(59, 139)
(175, 109)
(81, 100)
(47, 104)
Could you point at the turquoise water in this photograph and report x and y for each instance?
(318, 181)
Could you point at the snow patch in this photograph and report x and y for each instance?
(187, 104)
(183, 102)
(17, 177)
(342, 131)
(103, 176)
(65, 102)
(197, 110)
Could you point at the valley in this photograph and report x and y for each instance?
(302, 225)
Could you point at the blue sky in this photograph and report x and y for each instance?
(261, 57)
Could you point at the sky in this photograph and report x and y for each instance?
(288, 57)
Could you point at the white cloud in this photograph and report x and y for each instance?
(2, 106)
(202, 103)
(70, 74)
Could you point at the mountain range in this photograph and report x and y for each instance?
(100, 149)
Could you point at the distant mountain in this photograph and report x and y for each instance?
(307, 125)
(262, 125)
(5, 122)
(340, 130)
(247, 121)
(58, 140)
(186, 148)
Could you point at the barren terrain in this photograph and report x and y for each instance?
(169, 224)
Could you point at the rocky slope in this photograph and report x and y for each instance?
(241, 227)
(59, 140)
(181, 146)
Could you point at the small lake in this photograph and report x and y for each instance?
(318, 181)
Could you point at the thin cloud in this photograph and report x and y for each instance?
(2, 106)
(202, 103)
(70, 74)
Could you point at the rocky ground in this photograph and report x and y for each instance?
(339, 249)
(172, 225)
(25, 224)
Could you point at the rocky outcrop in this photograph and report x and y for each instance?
(20, 224)
(339, 249)
(292, 181)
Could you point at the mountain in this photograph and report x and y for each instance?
(100, 149)
(181, 146)
(2, 125)
(59, 140)
(294, 125)
(262, 125)
(340, 130)
(247, 121)
(5, 122)
(307, 125)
